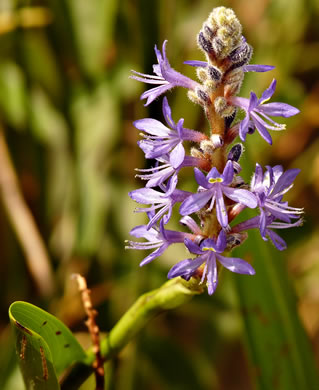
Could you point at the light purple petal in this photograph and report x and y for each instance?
(147, 196)
(235, 264)
(267, 94)
(201, 178)
(212, 277)
(285, 181)
(279, 109)
(142, 232)
(228, 173)
(257, 179)
(152, 126)
(177, 155)
(154, 254)
(221, 242)
(263, 223)
(154, 93)
(279, 243)
(241, 196)
(243, 128)
(221, 211)
(261, 128)
(253, 102)
(195, 202)
(185, 267)
(167, 113)
(213, 174)
(192, 247)
(196, 63)
(257, 68)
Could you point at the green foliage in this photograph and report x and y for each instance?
(44, 345)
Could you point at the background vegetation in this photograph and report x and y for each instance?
(66, 112)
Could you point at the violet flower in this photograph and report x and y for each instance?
(160, 173)
(214, 187)
(269, 188)
(209, 252)
(270, 224)
(165, 77)
(161, 201)
(163, 140)
(157, 238)
(258, 113)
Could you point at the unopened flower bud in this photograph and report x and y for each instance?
(214, 73)
(222, 107)
(235, 152)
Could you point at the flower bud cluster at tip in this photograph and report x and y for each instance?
(221, 194)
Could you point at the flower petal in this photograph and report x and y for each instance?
(212, 276)
(257, 68)
(152, 126)
(279, 109)
(221, 211)
(241, 196)
(185, 268)
(177, 155)
(235, 264)
(195, 202)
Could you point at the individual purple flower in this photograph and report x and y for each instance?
(162, 202)
(209, 252)
(254, 223)
(214, 187)
(163, 140)
(157, 238)
(269, 188)
(165, 77)
(257, 113)
(160, 173)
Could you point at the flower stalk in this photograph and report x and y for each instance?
(170, 295)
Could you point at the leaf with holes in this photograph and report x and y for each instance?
(44, 345)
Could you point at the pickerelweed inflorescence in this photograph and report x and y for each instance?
(222, 194)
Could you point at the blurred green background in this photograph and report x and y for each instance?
(66, 112)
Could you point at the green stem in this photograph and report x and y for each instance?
(170, 295)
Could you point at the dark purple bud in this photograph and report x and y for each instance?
(218, 46)
(209, 32)
(251, 128)
(229, 119)
(242, 54)
(203, 96)
(214, 73)
(204, 43)
(235, 152)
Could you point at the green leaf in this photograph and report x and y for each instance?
(13, 96)
(278, 344)
(44, 345)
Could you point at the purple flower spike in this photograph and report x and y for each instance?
(214, 187)
(209, 252)
(162, 140)
(269, 188)
(165, 77)
(158, 238)
(258, 112)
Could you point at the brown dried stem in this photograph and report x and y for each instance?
(23, 223)
(93, 329)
